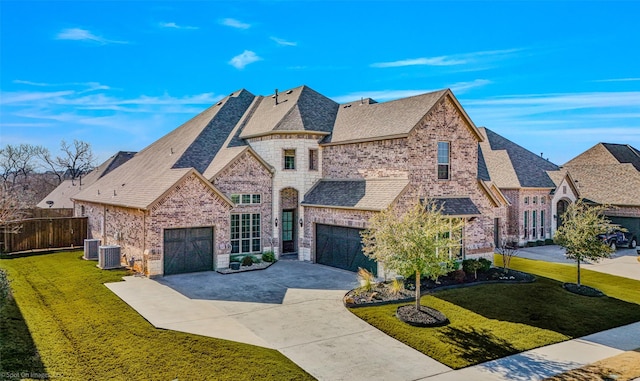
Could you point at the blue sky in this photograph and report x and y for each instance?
(555, 77)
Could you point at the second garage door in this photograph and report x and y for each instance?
(341, 247)
(188, 250)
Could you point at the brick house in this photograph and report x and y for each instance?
(609, 174)
(296, 173)
(538, 191)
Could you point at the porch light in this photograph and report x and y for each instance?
(276, 222)
(301, 222)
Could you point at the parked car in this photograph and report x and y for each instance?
(617, 238)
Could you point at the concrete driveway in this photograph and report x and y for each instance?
(623, 262)
(294, 307)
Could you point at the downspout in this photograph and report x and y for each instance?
(104, 224)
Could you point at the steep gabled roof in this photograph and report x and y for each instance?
(294, 110)
(154, 170)
(61, 196)
(512, 166)
(608, 173)
(369, 194)
(363, 121)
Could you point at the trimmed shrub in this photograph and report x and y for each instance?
(548, 241)
(247, 260)
(531, 243)
(539, 242)
(485, 263)
(268, 256)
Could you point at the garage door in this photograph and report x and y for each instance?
(188, 250)
(341, 247)
(632, 224)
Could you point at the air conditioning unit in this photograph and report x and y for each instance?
(109, 257)
(91, 249)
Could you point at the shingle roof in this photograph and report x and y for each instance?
(61, 196)
(361, 121)
(483, 172)
(615, 184)
(608, 174)
(298, 109)
(373, 194)
(154, 170)
(512, 166)
(624, 153)
(457, 206)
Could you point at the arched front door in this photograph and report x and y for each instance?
(561, 208)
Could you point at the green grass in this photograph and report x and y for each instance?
(497, 320)
(70, 325)
(614, 286)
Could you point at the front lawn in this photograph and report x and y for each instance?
(66, 323)
(497, 320)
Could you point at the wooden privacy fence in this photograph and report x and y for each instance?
(43, 233)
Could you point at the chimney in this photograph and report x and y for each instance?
(276, 96)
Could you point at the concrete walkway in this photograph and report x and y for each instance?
(543, 362)
(294, 307)
(623, 262)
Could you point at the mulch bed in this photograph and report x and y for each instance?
(425, 317)
(582, 290)
(380, 294)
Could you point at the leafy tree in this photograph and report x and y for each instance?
(419, 241)
(578, 234)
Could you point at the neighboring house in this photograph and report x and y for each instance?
(296, 173)
(538, 190)
(609, 174)
(60, 197)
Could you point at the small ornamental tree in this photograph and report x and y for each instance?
(578, 234)
(508, 249)
(419, 241)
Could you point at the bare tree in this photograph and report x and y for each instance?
(16, 161)
(11, 205)
(77, 159)
(508, 249)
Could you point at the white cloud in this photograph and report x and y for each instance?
(450, 60)
(385, 95)
(617, 80)
(243, 59)
(282, 42)
(235, 23)
(77, 34)
(173, 25)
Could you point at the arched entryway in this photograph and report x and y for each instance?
(560, 209)
(289, 218)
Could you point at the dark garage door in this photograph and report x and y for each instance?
(188, 250)
(341, 247)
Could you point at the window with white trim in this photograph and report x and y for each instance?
(526, 224)
(289, 159)
(533, 224)
(444, 159)
(245, 233)
(243, 199)
(542, 224)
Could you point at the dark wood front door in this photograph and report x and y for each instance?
(288, 231)
(562, 207)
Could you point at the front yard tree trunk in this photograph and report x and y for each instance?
(418, 290)
(578, 272)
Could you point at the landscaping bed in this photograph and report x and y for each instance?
(381, 294)
(494, 320)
